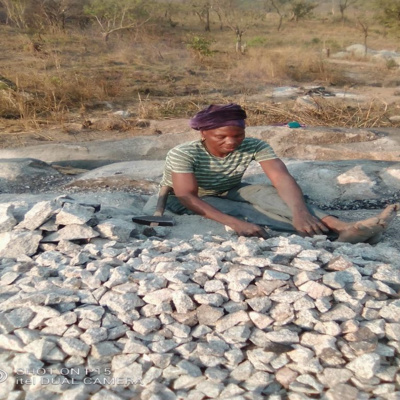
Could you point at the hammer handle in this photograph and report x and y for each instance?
(161, 202)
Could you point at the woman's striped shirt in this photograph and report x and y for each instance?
(214, 175)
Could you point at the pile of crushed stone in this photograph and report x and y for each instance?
(91, 308)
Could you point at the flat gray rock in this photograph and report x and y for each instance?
(312, 143)
(331, 182)
(93, 154)
(142, 169)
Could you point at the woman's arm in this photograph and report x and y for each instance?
(186, 190)
(289, 191)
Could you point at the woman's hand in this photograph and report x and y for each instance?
(243, 228)
(308, 225)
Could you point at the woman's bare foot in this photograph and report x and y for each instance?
(375, 239)
(368, 230)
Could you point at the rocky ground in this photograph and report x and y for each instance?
(94, 306)
(347, 171)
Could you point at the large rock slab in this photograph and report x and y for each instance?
(312, 143)
(340, 181)
(327, 183)
(379, 55)
(326, 143)
(89, 154)
(142, 169)
(142, 175)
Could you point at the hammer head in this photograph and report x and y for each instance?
(149, 219)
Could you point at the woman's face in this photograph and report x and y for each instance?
(222, 141)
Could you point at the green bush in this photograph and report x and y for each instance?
(200, 46)
(257, 41)
(391, 64)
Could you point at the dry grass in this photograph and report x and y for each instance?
(160, 78)
(286, 64)
(339, 114)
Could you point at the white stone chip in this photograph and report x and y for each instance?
(38, 215)
(182, 302)
(315, 290)
(117, 229)
(7, 219)
(40, 348)
(18, 243)
(231, 320)
(285, 336)
(73, 213)
(71, 232)
(74, 347)
(365, 366)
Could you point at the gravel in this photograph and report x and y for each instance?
(207, 316)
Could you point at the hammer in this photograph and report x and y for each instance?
(158, 218)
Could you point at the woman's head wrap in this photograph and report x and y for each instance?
(217, 116)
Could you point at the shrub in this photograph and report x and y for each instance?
(391, 64)
(200, 46)
(257, 41)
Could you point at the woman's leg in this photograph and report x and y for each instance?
(261, 205)
(267, 203)
(369, 230)
(266, 200)
(241, 205)
(238, 209)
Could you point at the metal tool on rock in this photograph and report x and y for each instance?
(158, 218)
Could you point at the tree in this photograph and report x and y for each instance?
(235, 19)
(301, 9)
(344, 5)
(203, 9)
(17, 12)
(168, 8)
(278, 6)
(389, 13)
(200, 46)
(363, 25)
(55, 13)
(118, 15)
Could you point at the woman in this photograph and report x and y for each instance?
(205, 176)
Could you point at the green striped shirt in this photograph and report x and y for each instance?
(214, 175)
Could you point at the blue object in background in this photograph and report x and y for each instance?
(294, 124)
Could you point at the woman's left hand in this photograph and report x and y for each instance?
(308, 225)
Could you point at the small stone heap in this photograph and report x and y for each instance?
(89, 311)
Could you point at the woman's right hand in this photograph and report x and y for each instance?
(186, 190)
(243, 228)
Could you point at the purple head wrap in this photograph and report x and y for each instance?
(217, 116)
